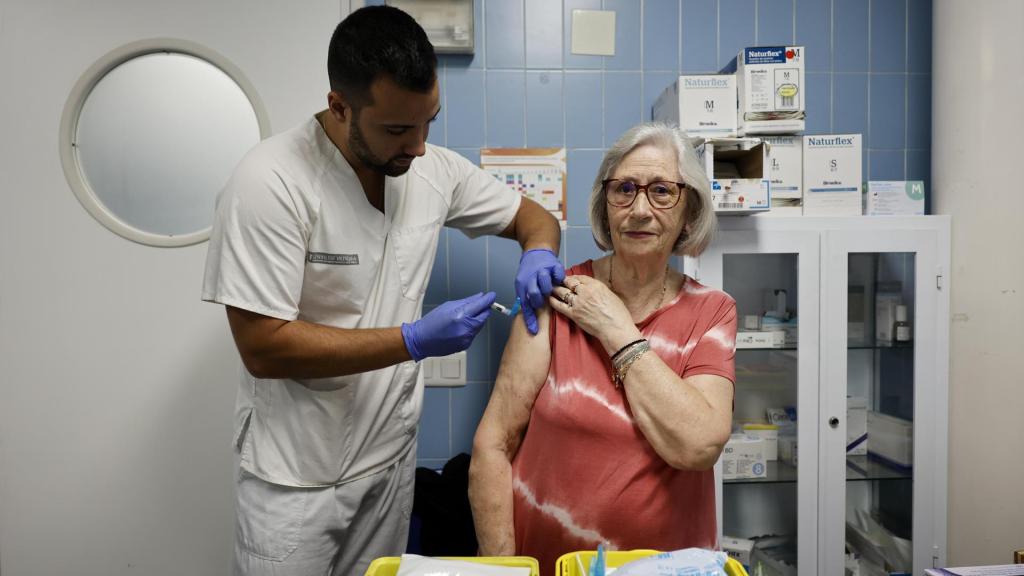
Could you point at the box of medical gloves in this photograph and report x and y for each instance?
(738, 170)
(832, 175)
(770, 89)
(895, 198)
(743, 457)
(702, 105)
(787, 175)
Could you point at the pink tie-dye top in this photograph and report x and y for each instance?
(585, 473)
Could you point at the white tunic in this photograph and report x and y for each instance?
(294, 237)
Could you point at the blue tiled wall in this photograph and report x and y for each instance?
(868, 70)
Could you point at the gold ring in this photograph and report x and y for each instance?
(575, 286)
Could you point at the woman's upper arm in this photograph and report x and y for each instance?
(523, 371)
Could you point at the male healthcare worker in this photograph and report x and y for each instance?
(321, 249)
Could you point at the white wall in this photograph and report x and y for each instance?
(976, 130)
(116, 383)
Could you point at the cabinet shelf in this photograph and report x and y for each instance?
(863, 468)
(778, 473)
(858, 469)
(853, 346)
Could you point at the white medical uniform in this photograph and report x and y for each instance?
(294, 237)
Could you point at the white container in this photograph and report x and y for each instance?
(767, 432)
(702, 105)
(743, 457)
(738, 548)
(762, 339)
(892, 439)
(770, 87)
(832, 175)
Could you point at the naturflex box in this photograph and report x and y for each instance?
(770, 89)
(786, 154)
(738, 170)
(832, 175)
(702, 105)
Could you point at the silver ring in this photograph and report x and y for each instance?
(567, 298)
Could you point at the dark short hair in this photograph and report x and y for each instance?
(375, 41)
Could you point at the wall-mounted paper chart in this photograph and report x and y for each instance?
(537, 173)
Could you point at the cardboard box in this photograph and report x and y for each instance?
(832, 175)
(892, 439)
(743, 457)
(767, 432)
(895, 198)
(770, 90)
(702, 105)
(771, 339)
(738, 170)
(785, 155)
(856, 426)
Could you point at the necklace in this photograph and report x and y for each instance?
(611, 284)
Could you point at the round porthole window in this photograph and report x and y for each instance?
(152, 132)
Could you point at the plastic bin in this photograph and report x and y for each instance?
(567, 565)
(388, 565)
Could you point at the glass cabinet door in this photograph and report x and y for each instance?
(878, 359)
(768, 470)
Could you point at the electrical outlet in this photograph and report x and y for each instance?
(445, 370)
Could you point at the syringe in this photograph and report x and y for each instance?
(506, 310)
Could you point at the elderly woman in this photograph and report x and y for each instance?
(604, 427)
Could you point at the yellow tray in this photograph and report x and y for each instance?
(567, 565)
(388, 565)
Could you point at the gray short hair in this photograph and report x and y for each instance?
(700, 212)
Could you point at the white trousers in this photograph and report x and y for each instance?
(336, 531)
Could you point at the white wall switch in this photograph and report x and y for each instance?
(445, 371)
(593, 32)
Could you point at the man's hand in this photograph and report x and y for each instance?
(539, 271)
(449, 328)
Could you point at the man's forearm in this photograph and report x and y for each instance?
(273, 348)
(535, 228)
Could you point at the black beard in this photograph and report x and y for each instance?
(357, 143)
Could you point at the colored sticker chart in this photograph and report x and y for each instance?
(537, 173)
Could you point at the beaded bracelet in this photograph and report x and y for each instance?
(622, 365)
(626, 347)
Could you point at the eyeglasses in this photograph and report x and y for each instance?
(660, 195)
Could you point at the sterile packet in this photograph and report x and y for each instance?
(685, 562)
(414, 565)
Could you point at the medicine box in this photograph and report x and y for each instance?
(702, 105)
(894, 198)
(738, 170)
(832, 175)
(856, 426)
(770, 90)
(786, 157)
(738, 548)
(743, 457)
(767, 432)
(787, 449)
(892, 439)
(762, 339)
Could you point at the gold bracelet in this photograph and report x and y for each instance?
(622, 366)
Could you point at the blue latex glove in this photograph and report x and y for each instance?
(449, 328)
(539, 271)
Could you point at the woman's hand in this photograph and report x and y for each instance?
(596, 309)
